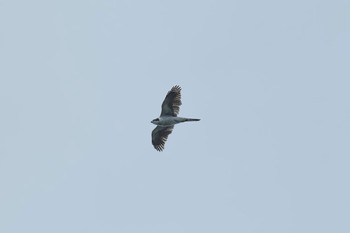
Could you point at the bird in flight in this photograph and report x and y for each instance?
(168, 118)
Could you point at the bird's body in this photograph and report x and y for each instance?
(171, 120)
(168, 118)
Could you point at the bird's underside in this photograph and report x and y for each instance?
(168, 118)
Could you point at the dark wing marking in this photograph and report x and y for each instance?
(160, 135)
(172, 102)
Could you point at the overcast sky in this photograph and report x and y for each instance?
(80, 81)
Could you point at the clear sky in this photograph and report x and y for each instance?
(81, 80)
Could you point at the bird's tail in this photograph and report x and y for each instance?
(192, 119)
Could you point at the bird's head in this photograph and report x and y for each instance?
(155, 121)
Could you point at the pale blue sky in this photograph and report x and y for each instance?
(80, 82)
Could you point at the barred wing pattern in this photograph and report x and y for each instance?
(172, 102)
(160, 135)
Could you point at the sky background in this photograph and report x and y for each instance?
(81, 80)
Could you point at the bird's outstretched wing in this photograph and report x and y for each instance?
(172, 102)
(160, 135)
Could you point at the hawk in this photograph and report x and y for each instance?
(168, 118)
